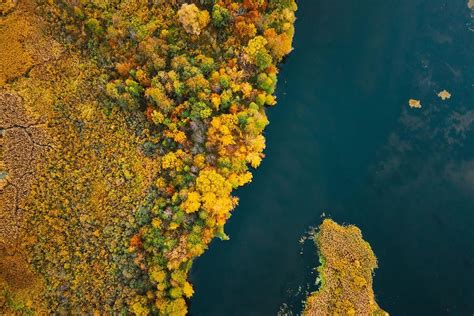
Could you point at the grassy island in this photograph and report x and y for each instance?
(125, 128)
(347, 265)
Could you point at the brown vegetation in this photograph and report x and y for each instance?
(23, 41)
(6, 6)
(23, 145)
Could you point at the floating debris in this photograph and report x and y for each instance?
(414, 103)
(318, 281)
(285, 310)
(302, 239)
(445, 95)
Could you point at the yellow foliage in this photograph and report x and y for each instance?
(215, 192)
(156, 222)
(278, 44)
(139, 309)
(216, 100)
(192, 203)
(254, 159)
(199, 160)
(177, 308)
(193, 19)
(160, 98)
(255, 46)
(188, 289)
(157, 117)
(173, 226)
(238, 180)
(246, 89)
(169, 161)
(158, 275)
(179, 137)
(160, 183)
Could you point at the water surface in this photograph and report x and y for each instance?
(343, 141)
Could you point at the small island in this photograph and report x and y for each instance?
(345, 273)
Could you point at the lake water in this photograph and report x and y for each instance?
(343, 141)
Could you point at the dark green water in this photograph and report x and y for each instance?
(343, 141)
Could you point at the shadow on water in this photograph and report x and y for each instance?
(342, 140)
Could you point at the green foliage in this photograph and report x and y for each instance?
(282, 4)
(220, 16)
(266, 82)
(14, 305)
(200, 109)
(143, 216)
(153, 239)
(179, 277)
(224, 81)
(176, 292)
(205, 64)
(93, 26)
(263, 59)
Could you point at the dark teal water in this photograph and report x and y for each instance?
(343, 141)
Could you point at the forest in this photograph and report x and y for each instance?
(152, 115)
